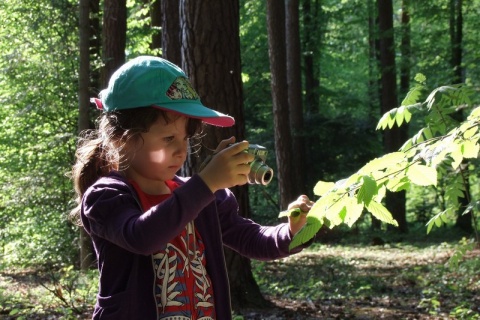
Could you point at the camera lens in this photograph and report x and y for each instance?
(267, 176)
(260, 173)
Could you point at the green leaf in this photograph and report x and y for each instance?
(435, 220)
(470, 149)
(383, 122)
(333, 212)
(398, 184)
(422, 175)
(412, 96)
(322, 187)
(383, 162)
(295, 212)
(367, 190)
(399, 116)
(474, 114)
(381, 213)
(353, 211)
(457, 155)
(470, 132)
(309, 230)
(419, 77)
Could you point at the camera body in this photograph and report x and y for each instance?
(260, 173)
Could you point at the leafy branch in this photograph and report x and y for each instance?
(421, 161)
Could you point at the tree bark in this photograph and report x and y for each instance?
(312, 84)
(464, 221)
(113, 37)
(156, 18)
(86, 248)
(95, 47)
(211, 59)
(281, 114)
(395, 137)
(405, 49)
(171, 34)
(294, 83)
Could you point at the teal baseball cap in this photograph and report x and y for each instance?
(148, 81)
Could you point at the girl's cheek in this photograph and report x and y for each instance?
(156, 156)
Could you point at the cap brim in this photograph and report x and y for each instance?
(198, 111)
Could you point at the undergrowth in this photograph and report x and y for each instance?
(383, 274)
(391, 277)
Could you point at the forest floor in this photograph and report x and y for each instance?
(327, 281)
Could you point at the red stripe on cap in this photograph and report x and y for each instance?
(98, 103)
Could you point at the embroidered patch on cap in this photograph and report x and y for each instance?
(181, 89)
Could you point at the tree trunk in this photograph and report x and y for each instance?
(156, 19)
(395, 137)
(281, 122)
(405, 49)
(211, 59)
(464, 221)
(86, 248)
(95, 47)
(294, 82)
(113, 37)
(311, 81)
(171, 33)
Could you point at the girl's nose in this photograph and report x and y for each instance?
(181, 147)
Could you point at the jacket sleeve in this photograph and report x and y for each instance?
(248, 237)
(110, 210)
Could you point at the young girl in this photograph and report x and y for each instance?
(158, 237)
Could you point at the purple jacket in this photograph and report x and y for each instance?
(125, 237)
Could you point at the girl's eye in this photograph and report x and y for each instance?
(168, 139)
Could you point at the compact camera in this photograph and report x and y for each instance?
(260, 173)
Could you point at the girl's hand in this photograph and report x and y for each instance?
(297, 223)
(228, 167)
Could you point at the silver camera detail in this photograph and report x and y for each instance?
(260, 173)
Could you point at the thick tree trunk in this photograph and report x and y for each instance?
(171, 33)
(211, 59)
(281, 113)
(113, 37)
(395, 137)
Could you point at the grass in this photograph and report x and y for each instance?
(342, 276)
(395, 280)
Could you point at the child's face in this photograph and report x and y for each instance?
(161, 155)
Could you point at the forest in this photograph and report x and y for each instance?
(371, 108)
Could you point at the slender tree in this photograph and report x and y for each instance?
(281, 113)
(95, 45)
(156, 20)
(405, 49)
(374, 81)
(395, 137)
(310, 28)
(86, 248)
(464, 221)
(211, 58)
(294, 82)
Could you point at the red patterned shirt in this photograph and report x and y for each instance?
(183, 290)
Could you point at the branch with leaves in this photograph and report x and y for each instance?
(439, 147)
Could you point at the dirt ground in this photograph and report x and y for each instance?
(401, 276)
